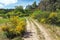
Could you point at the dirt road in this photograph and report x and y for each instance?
(31, 31)
(44, 31)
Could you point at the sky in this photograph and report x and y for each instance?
(8, 4)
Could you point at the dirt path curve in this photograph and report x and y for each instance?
(43, 31)
(31, 31)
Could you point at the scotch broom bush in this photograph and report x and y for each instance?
(15, 28)
(52, 18)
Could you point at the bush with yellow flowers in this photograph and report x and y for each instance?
(4, 28)
(53, 14)
(16, 27)
(52, 18)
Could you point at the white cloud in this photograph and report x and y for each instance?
(1, 6)
(7, 2)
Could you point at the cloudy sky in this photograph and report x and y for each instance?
(12, 3)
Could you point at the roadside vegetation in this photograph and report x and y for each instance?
(14, 28)
(12, 25)
(13, 22)
(49, 17)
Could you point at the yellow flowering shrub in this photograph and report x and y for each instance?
(11, 30)
(4, 27)
(53, 14)
(14, 20)
(16, 28)
(52, 18)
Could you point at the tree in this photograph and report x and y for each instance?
(34, 5)
(19, 9)
(28, 7)
(49, 5)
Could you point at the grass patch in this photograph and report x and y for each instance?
(3, 20)
(54, 31)
(17, 38)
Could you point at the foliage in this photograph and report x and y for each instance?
(31, 7)
(46, 17)
(43, 20)
(49, 5)
(16, 27)
(52, 18)
(3, 20)
(18, 38)
(36, 14)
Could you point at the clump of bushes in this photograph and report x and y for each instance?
(36, 14)
(46, 17)
(16, 27)
(52, 18)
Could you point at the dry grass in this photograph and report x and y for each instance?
(54, 31)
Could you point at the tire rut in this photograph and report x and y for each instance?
(43, 31)
(31, 31)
